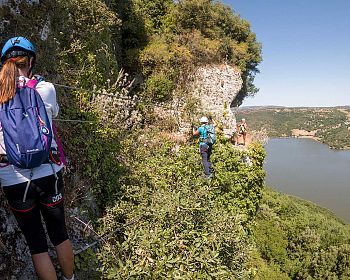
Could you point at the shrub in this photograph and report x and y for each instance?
(159, 87)
(187, 227)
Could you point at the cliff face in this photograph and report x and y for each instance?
(216, 86)
(211, 92)
(15, 259)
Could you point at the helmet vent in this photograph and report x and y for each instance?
(17, 41)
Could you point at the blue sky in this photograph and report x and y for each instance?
(306, 51)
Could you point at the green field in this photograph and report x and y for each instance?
(331, 125)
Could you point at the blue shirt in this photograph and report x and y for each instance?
(203, 135)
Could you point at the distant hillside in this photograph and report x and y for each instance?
(248, 108)
(330, 125)
(297, 239)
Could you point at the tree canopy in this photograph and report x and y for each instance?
(180, 34)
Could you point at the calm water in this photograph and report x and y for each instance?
(310, 170)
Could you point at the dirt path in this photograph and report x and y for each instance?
(248, 139)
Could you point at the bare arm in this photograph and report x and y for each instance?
(195, 131)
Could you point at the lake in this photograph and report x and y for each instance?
(310, 170)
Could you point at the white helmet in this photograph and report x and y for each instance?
(203, 120)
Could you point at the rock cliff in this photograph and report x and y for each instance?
(212, 91)
(15, 259)
(216, 86)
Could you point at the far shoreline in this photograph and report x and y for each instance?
(316, 139)
(283, 167)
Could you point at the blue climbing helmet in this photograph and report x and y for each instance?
(17, 46)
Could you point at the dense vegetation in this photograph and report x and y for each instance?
(299, 240)
(160, 219)
(186, 227)
(332, 125)
(180, 226)
(157, 42)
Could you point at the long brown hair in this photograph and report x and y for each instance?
(8, 76)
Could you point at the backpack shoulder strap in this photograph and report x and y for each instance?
(209, 128)
(32, 83)
(59, 144)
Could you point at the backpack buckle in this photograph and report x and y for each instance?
(3, 158)
(55, 156)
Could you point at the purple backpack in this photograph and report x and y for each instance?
(26, 128)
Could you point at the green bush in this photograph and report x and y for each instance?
(187, 227)
(300, 239)
(159, 87)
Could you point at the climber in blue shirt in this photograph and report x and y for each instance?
(205, 146)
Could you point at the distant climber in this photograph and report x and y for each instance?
(241, 132)
(31, 178)
(207, 138)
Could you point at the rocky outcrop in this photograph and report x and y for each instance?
(15, 259)
(211, 92)
(216, 86)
